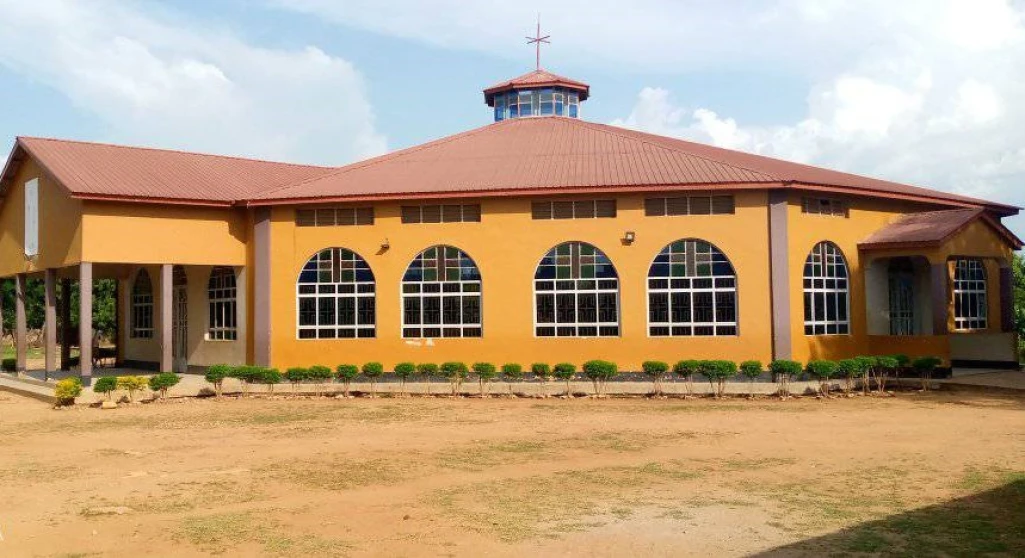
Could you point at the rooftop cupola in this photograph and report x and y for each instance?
(537, 93)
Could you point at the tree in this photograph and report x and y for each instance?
(686, 369)
(718, 372)
(782, 371)
(543, 373)
(822, 370)
(485, 372)
(373, 371)
(565, 371)
(428, 370)
(512, 372)
(247, 375)
(269, 377)
(131, 384)
(455, 372)
(106, 385)
(215, 374)
(925, 366)
(346, 373)
(404, 370)
(850, 369)
(163, 382)
(297, 375)
(656, 370)
(600, 372)
(1018, 269)
(885, 365)
(751, 369)
(865, 366)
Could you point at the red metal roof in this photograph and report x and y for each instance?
(932, 228)
(96, 170)
(557, 154)
(537, 78)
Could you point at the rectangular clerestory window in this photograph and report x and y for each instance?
(579, 209)
(825, 206)
(455, 213)
(334, 216)
(689, 205)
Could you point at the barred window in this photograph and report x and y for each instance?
(826, 292)
(579, 209)
(441, 295)
(221, 296)
(576, 293)
(692, 291)
(336, 297)
(334, 216)
(689, 205)
(970, 302)
(825, 206)
(142, 306)
(462, 213)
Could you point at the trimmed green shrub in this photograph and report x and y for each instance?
(320, 375)
(67, 390)
(428, 370)
(751, 369)
(215, 374)
(9, 365)
(163, 382)
(346, 373)
(405, 371)
(903, 363)
(783, 371)
(850, 369)
(925, 366)
(247, 375)
(565, 371)
(822, 370)
(106, 385)
(455, 372)
(600, 372)
(373, 371)
(269, 377)
(718, 372)
(297, 375)
(657, 370)
(686, 369)
(485, 372)
(543, 372)
(132, 384)
(885, 365)
(512, 372)
(865, 366)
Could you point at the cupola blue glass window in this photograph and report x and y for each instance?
(548, 101)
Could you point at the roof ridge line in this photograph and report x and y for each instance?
(608, 128)
(169, 150)
(378, 159)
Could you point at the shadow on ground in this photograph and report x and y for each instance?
(990, 523)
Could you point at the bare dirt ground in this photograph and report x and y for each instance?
(918, 474)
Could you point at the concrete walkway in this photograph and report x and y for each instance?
(1003, 380)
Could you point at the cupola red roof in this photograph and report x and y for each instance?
(533, 80)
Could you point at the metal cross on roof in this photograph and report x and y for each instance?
(537, 40)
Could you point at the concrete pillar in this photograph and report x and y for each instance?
(85, 321)
(1006, 297)
(50, 320)
(166, 313)
(65, 321)
(779, 274)
(20, 325)
(940, 274)
(261, 287)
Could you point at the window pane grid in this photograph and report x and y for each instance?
(970, 298)
(336, 297)
(334, 216)
(826, 292)
(441, 295)
(576, 293)
(825, 206)
(689, 205)
(221, 295)
(142, 306)
(453, 213)
(579, 209)
(692, 291)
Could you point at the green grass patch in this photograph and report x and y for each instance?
(218, 533)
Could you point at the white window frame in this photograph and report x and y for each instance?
(576, 292)
(464, 288)
(819, 285)
(690, 275)
(222, 304)
(141, 308)
(358, 329)
(970, 279)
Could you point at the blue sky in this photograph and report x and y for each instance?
(921, 91)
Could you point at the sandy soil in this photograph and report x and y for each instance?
(510, 477)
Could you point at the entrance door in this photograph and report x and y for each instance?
(902, 297)
(180, 322)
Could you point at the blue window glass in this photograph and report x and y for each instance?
(513, 111)
(559, 109)
(573, 111)
(547, 109)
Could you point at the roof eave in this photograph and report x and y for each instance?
(1001, 209)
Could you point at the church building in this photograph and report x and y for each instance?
(539, 237)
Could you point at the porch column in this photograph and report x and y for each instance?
(1006, 297)
(20, 325)
(779, 274)
(65, 321)
(166, 311)
(50, 320)
(85, 322)
(940, 274)
(261, 288)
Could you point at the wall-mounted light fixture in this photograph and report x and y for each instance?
(628, 237)
(385, 245)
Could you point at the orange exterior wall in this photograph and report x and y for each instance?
(507, 246)
(60, 229)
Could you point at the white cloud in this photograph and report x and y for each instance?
(153, 78)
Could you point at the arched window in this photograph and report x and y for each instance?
(441, 295)
(336, 296)
(970, 303)
(221, 295)
(142, 306)
(826, 292)
(692, 290)
(576, 293)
